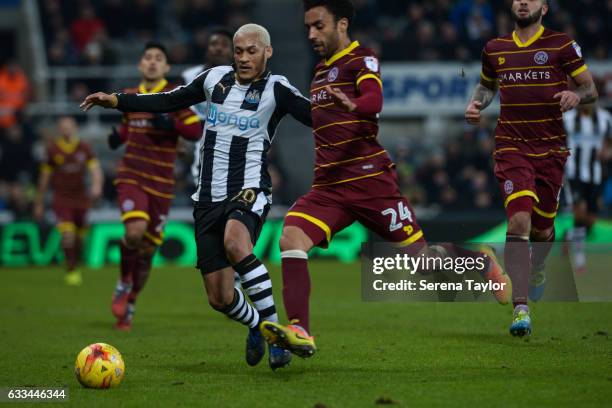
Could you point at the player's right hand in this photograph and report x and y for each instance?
(101, 99)
(114, 139)
(472, 112)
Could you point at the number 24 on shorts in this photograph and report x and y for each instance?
(404, 214)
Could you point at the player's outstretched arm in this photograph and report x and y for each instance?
(481, 98)
(585, 93)
(163, 102)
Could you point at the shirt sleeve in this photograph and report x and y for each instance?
(487, 73)
(367, 67)
(179, 98)
(571, 59)
(290, 100)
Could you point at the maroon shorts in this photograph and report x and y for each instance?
(375, 202)
(70, 218)
(539, 178)
(137, 204)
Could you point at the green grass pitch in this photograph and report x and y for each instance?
(181, 353)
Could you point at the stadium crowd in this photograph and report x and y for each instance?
(434, 30)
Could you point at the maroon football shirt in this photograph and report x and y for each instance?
(150, 153)
(67, 160)
(529, 75)
(345, 142)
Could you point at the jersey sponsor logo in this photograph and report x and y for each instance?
(333, 74)
(253, 96)
(371, 63)
(127, 205)
(139, 123)
(318, 96)
(524, 76)
(501, 60)
(215, 116)
(541, 57)
(508, 187)
(577, 49)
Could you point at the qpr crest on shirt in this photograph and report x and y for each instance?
(333, 74)
(541, 57)
(253, 96)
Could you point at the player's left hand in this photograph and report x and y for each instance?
(568, 100)
(340, 99)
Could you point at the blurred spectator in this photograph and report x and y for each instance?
(85, 28)
(15, 92)
(16, 167)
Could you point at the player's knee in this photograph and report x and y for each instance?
(133, 234)
(520, 223)
(292, 240)
(68, 238)
(236, 250)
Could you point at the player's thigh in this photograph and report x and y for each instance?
(134, 206)
(209, 227)
(392, 218)
(549, 180)
(515, 175)
(319, 214)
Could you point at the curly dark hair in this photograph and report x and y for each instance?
(338, 8)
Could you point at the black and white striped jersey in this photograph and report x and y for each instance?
(586, 134)
(241, 120)
(200, 110)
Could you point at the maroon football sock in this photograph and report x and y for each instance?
(129, 258)
(541, 249)
(140, 275)
(518, 263)
(296, 289)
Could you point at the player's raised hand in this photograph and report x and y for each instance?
(99, 98)
(567, 99)
(340, 99)
(472, 112)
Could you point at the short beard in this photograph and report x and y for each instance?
(527, 21)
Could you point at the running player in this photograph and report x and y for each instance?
(145, 180)
(68, 160)
(531, 68)
(245, 104)
(354, 180)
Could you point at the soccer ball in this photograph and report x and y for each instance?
(99, 365)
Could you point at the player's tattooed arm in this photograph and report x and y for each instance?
(481, 98)
(484, 95)
(585, 92)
